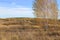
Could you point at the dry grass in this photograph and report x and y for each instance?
(28, 29)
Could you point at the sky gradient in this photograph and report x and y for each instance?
(17, 8)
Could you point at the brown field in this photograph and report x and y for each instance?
(29, 29)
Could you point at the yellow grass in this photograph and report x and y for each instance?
(28, 29)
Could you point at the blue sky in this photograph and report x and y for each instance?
(17, 8)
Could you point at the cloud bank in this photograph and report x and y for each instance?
(16, 12)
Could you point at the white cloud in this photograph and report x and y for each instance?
(19, 11)
(15, 10)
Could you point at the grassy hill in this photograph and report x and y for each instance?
(29, 29)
